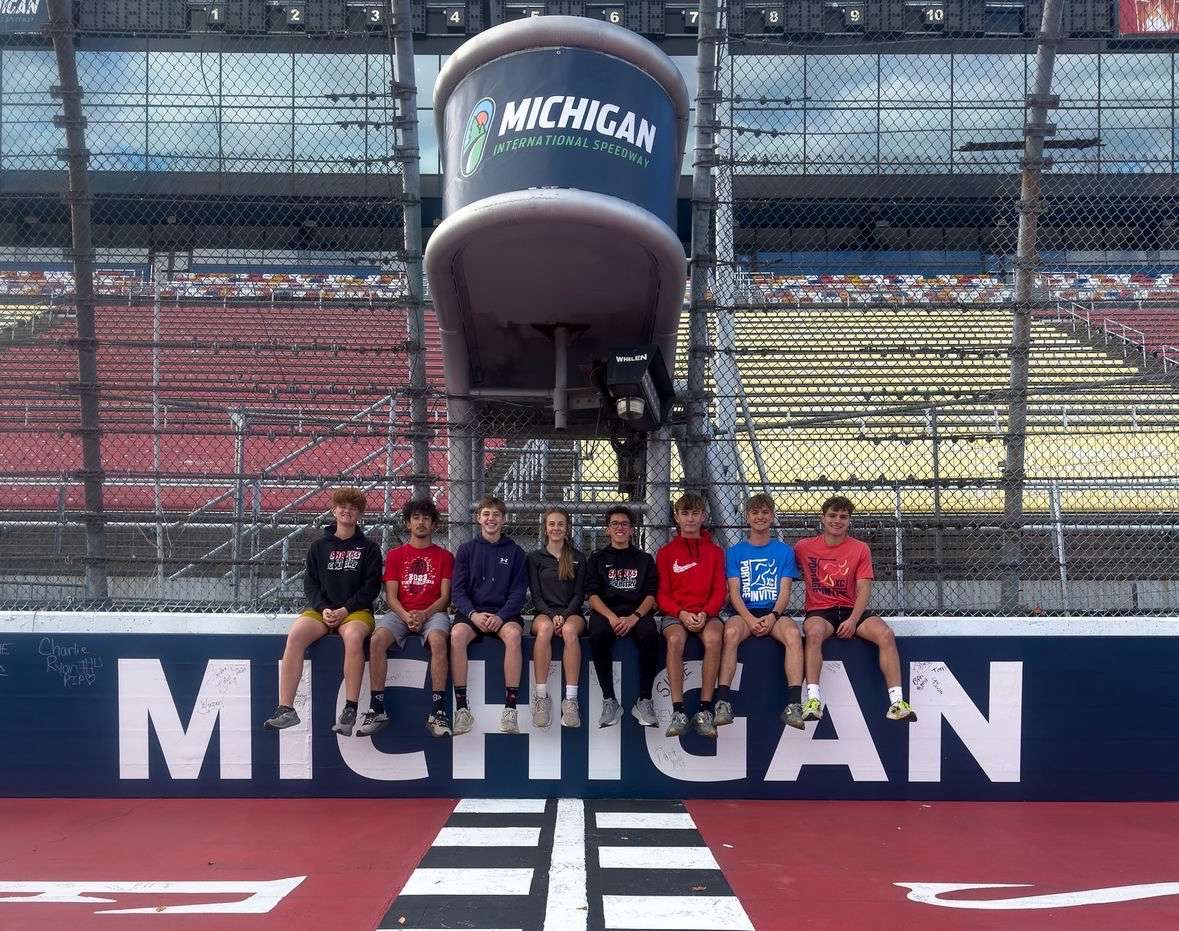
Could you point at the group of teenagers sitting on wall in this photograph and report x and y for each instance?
(691, 587)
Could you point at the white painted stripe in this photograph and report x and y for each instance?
(567, 907)
(488, 837)
(656, 858)
(500, 806)
(638, 820)
(469, 882)
(163, 622)
(673, 912)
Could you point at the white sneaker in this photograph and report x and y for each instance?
(644, 712)
(463, 721)
(542, 711)
(570, 713)
(509, 721)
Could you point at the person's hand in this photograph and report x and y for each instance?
(558, 620)
(623, 625)
(846, 630)
(765, 623)
(333, 616)
(494, 622)
(479, 619)
(696, 621)
(414, 621)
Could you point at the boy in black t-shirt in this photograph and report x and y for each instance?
(621, 582)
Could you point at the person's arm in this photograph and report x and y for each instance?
(738, 602)
(575, 603)
(863, 593)
(538, 603)
(716, 598)
(312, 587)
(460, 591)
(517, 587)
(370, 586)
(392, 601)
(663, 593)
(442, 602)
(596, 602)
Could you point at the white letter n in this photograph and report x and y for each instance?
(994, 742)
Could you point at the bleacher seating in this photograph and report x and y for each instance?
(840, 374)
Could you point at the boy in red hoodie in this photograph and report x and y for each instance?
(691, 594)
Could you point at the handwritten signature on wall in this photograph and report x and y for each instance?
(73, 661)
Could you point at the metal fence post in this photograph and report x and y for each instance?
(77, 158)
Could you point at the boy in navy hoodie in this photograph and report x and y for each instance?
(490, 585)
(341, 580)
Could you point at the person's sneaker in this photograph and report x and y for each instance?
(723, 714)
(570, 713)
(346, 723)
(644, 712)
(284, 716)
(372, 722)
(812, 710)
(901, 711)
(438, 724)
(463, 721)
(509, 721)
(792, 716)
(703, 722)
(611, 712)
(542, 711)
(678, 725)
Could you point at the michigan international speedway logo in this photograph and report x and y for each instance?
(621, 133)
(475, 137)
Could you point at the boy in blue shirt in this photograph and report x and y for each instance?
(760, 570)
(490, 585)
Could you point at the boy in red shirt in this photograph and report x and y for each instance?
(417, 590)
(691, 594)
(837, 571)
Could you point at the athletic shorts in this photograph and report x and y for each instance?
(729, 613)
(664, 621)
(401, 632)
(365, 616)
(836, 616)
(461, 618)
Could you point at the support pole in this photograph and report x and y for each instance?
(658, 498)
(406, 93)
(61, 30)
(703, 264)
(561, 378)
(237, 417)
(1011, 560)
(460, 471)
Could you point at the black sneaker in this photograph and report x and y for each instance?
(284, 716)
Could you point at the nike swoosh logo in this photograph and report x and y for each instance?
(929, 893)
(677, 568)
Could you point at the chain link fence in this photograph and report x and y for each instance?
(255, 309)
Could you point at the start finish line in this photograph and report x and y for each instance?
(172, 705)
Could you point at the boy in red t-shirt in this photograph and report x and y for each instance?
(837, 572)
(417, 589)
(691, 593)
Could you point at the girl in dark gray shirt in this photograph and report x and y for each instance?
(556, 575)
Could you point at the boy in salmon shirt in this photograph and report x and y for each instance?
(690, 597)
(837, 570)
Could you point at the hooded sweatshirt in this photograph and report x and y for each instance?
(342, 573)
(490, 577)
(691, 576)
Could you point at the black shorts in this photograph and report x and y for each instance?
(836, 616)
(460, 618)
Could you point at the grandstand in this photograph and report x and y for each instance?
(855, 329)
